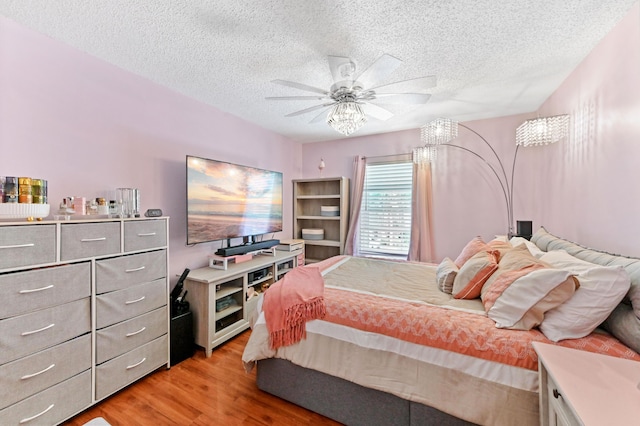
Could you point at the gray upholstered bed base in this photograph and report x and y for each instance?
(342, 400)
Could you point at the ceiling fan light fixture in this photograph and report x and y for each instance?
(346, 117)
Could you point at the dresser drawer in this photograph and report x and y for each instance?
(145, 234)
(125, 271)
(29, 333)
(27, 245)
(559, 411)
(121, 371)
(122, 337)
(121, 305)
(23, 292)
(53, 405)
(30, 375)
(84, 240)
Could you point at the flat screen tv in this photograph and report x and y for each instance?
(226, 201)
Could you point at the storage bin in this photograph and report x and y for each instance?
(313, 234)
(329, 211)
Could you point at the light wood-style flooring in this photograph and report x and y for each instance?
(200, 391)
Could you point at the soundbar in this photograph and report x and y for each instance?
(247, 248)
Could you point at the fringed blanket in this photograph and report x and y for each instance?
(292, 301)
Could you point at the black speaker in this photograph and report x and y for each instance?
(182, 342)
(525, 228)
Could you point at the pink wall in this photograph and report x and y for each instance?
(467, 200)
(89, 127)
(584, 189)
(588, 187)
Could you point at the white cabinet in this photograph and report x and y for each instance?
(585, 388)
(85, 302)
(315, 204)
(223, 301)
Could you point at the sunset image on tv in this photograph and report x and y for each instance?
(227, 200)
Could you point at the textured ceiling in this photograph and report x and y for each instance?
(491, 58)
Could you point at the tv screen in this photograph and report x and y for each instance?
(227, 201)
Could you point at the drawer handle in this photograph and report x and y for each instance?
(89, 240)
(18, 246)
(136, 332)
(147, 234)
(28, 419)
(129, 302)
(36, 289)
(556, 394)
(28, 376)
(135, 269)
(26, 333)
(129, 367)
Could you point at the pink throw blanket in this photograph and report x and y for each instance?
(292, 301)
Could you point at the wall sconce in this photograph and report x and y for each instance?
(539, 131)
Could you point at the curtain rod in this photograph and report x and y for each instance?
(386, 156)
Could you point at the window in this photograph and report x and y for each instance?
(385, 215)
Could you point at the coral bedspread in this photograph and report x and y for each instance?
(388, 327)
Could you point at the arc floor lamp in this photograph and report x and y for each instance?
(537, 131)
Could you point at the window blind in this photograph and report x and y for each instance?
(385, 216)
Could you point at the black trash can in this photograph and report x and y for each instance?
(182, 342)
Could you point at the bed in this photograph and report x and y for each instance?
(406, 343)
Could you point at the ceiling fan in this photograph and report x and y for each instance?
(353, 97)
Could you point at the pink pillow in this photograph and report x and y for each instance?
(523, 289)
(523, 304)
(474, 246)
(474, 273)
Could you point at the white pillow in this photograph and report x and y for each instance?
(533, 249)
(446, 274)
(601, 290)
(563, 260)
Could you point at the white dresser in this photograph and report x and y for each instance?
(84, 313)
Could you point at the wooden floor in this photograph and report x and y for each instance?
(200, 391)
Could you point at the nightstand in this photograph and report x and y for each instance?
(585, 388)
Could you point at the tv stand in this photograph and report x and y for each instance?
(247, 248)
(242, 282)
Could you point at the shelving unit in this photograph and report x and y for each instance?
(310, 195)
(240, 281)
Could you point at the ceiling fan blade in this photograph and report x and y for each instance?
(378, 71)
(342, 69)
(402, 98)
(300, 86)
(306, 110)
(296, 98)
(320, 117)
(411, 84)
(376, 111)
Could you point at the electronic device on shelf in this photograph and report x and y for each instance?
(153, 213)
(246, 248)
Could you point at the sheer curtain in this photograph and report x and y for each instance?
(421, 246)
(359, 166)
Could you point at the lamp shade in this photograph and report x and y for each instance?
(542, 131)
(439, 131)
